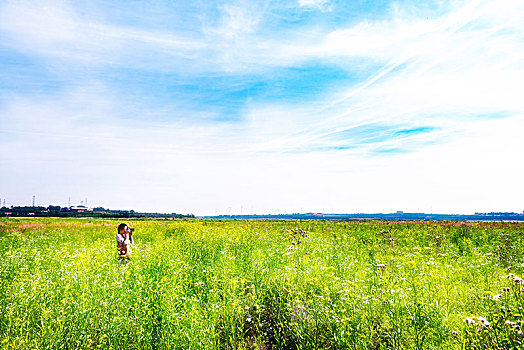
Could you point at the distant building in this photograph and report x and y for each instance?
(80, 209)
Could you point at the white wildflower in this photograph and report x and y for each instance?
(469, 320)
(484, 322)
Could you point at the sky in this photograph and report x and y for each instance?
(241, 107)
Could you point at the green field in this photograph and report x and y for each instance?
(261, 285)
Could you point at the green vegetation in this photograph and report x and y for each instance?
(261, 285)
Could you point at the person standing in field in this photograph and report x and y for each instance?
(124, 241)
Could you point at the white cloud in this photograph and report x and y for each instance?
(55, 30)
(317, 4)
(440, 71)
(237, 41)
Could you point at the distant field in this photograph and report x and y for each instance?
(261, 285)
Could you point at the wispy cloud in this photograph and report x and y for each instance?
(56, 31)
(315, 4)
(413, 67)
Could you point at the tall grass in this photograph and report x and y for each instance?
(261, 285)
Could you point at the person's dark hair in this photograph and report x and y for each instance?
(121, 227)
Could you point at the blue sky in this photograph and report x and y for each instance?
(210, 107)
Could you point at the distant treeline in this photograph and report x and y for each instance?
(398, 216)
(81, 211)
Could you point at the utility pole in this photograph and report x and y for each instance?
(33, 201)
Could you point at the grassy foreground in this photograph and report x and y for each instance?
(261, 285)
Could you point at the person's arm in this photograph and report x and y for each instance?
(119, 240)
(120, 243)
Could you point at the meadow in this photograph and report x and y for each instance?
(225, 284)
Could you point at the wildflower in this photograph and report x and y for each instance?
(381, 266)
(469, 320)
(484, 322)
(454, 333)
(517, 280)
(509, 323)
(497, 296)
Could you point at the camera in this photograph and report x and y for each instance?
(131, 230)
